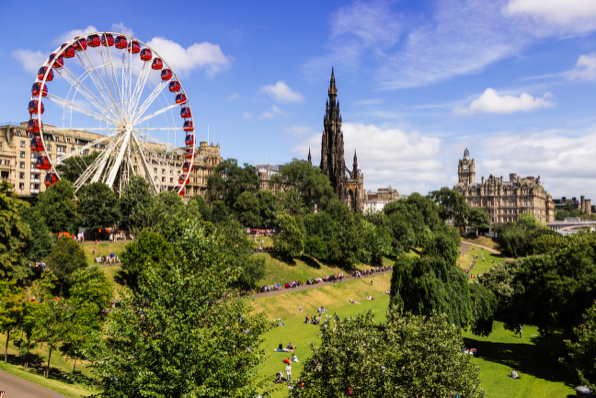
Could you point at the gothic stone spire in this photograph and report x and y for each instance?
(309, 157)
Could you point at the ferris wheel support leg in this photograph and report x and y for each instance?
(118, 162)
(145, 165)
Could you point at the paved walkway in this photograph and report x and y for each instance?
(16, 387)
(465, 242)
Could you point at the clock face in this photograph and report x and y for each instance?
(465, 167)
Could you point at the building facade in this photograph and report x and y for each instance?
(17, 162)
(348, 184)
(585, 205)
(376, 201)
(503, 200)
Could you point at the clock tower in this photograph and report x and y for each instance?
(466, 170)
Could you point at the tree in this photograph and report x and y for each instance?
(267, 208)
(290, 239)
(98, 206)
(478, 218)
(14, 234)
(181, 334)
(229, 181)
(66, 257)
(409, 356)
(246, 209)
(148, 249)
(378, 242)
(581, 359)
(135, 202)
(161, 215)
(41, 238)
(90, 285)
(219, 212)
(13, 309)
(71, 169)
(452, 205)
(56, 205)
(202, 206)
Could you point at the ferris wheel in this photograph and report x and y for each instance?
(110, 95)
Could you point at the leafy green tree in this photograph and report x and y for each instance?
(246, 209)
(316, 247)
(408, 356)
(135, 202)
(14, 234)
(484, 306)
(452, 205)
(90, 285)
(98, 206)
(13, 310)
(378, 242)
(161, 215)
(581, 359)
(267, 208)
(229, 181)
(66, 257)
(71, 169)
(56, 205)
(514, 236)
(181, 334)
(478, 218)
(202, 206)
(219, 212)
(148, 249)
(290, 239)
(41, 238)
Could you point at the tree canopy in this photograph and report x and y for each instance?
(14, 233)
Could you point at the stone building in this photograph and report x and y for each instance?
(585, 205)
(376, 201)
(348, 184)
(266, 171)
(17, 161)
(503, 200)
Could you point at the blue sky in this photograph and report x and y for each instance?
(513, 80)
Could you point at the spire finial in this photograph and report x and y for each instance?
(309, 157)
(332, 82)
(355, 157)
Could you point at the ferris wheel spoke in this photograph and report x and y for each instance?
(118, 161)
(81, 88)
(139, 87)
(105, 158)
(150, 99)
(159, 112)
(115, 79)
(79, 108)
(107, 64)
(153, 139)
(98, 82)
(148, 172)
(88, 146)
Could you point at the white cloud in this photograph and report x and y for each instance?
(585, 68)
(388, 156)
(491, 102)
(274, 112)
(120, 28)
(247, 115)
(204, 55)
(71, 34)
(559, 157)
(281, 92)
(298, 130)
(233, 96)
(572, 15)
(31, 60)
(355, 30)
(369, 102)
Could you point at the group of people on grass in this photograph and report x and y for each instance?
(370, 272)
(111, 259)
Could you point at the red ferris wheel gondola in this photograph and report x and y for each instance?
(188, 153)
(121, 42)
(59, 61)
(93, 41)
(181, 179)
(166, 74)
(157, 64)
(146, 54)
(36, 88)
(185, 112)
(178, 187)
(34, 125)
(42, 72)
(80, 44)
(51, 179)
(181, 98)
(188, 126)
(186, 167)
(36, 145)
(33, 105)
(107, 40)
(69, 52)
(43, 163)
(134, 47)
(174, 86)
(190, 140)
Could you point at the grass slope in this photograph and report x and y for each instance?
(481, 266)
(483, 241)
(102, 249)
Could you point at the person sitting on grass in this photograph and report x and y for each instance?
(514, 374)
(289, 346)
(354, 301)
(295, 358)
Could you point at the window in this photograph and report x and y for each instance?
(21, 175)
(4, 174)
(163, 179)
(171, 180)
(61, 149)
(6, 162)
(163, 171)
(0, 146)
(21, 186)
(68, 140)
(71, 150)
(49, 147)
(22, 165)
(22, 144)
(85, 152)
(155, 170)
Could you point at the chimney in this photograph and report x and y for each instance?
(512, 177)
(483, 180)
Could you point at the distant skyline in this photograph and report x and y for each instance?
(418, 82)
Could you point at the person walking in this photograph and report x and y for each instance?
(289, 373)
(520, 331)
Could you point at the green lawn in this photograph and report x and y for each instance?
(102, 249)
(483, 240)
(480, 266)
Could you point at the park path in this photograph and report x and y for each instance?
(467, 243)
(15, 387)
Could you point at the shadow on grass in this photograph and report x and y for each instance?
(539, 360)
(284, 258)
(37, 365)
